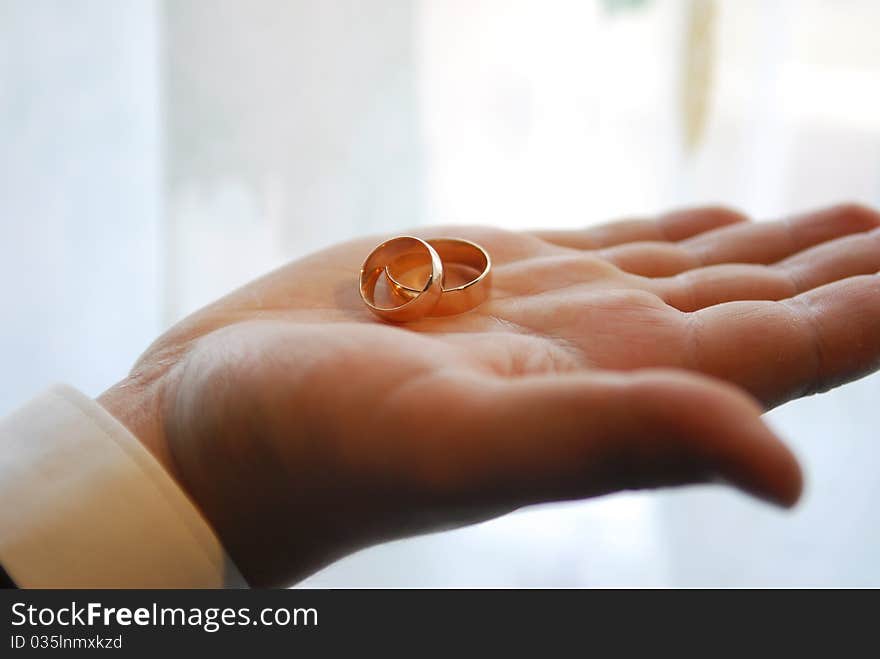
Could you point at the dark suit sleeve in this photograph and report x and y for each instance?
(5, 581)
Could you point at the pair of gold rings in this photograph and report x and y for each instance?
(416, 279)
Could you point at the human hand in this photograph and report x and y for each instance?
(606, 359)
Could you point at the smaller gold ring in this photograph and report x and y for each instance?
(456, 299)
(422, 301)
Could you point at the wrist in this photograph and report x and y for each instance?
(137, 406)
(140, 407)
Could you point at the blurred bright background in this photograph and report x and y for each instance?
(154, 155)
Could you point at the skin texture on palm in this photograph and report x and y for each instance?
(637, 354)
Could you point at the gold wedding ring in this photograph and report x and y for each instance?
(422, 300)
(416, 278)
(455, 299)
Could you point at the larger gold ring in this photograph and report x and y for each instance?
(456, 299)
(421, 301)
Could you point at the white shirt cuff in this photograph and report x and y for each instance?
(83, 504)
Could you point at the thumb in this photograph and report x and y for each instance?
(534, 439)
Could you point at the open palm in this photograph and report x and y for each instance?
(305, 428)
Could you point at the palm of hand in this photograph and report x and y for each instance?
(305, 427)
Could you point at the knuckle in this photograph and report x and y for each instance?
(728, 213)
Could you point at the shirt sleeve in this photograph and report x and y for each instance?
(83, 504)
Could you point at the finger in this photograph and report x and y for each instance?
(673, 226)
(691, 290)
(805, 344)
(758, 242)
(858, 254)
(697, 289)
(652, 259)
(536, 439)
(768, 242)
